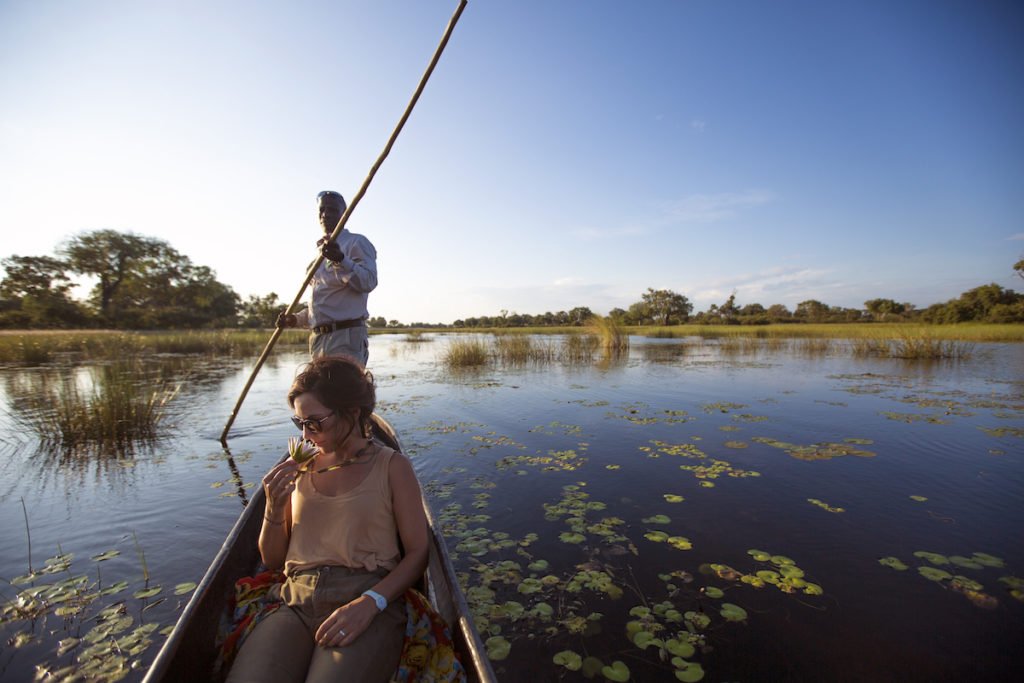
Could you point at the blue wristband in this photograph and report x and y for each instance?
(382, 602)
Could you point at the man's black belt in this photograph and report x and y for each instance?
(337, 325)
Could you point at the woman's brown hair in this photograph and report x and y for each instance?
(340, 383)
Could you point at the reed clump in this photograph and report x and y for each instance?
(912, 344)
(612, 339)
(111, 410)
(415, 337)
(513, 349)
(579, 348)
(466, 353)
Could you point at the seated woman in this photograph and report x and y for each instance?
(334, 524)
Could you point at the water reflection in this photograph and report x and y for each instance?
(606, 489)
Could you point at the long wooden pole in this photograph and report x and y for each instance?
(348, 212)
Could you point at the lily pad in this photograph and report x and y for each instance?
(497, 648)
(643, 639)
(791, 571)
(679, 648)
(571, 537)
(965, 562)
(671, 498)
(934, 574)
(691, 673)
(680, 543)
(733, 612)
(893, 562)
(617, 672)
(699, 620)
(919, 499)
(183, 588)
(569, 659)
(106, 556)
(656, 536)
(760, 555)
(147, 592)
(987, 560)
(657, 519)
(711, 592)
(934, 558)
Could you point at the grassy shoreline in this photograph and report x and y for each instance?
(45, 346)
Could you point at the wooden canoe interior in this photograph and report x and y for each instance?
(189, 652)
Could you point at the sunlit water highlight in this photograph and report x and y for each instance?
(484, 440)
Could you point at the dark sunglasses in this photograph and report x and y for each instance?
(313, 424)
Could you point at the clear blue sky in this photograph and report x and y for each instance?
(565, 153)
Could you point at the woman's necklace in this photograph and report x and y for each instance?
(348, 461)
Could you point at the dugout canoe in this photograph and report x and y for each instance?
(189, 651)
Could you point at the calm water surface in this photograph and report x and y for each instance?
(572, 466)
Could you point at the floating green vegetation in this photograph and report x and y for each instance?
(934, 573)
(893, 562)
(786, 575)
(914, 417)
(556, 428)
(746, 417)
(716, 469)
(685, 450)
(934, 558)
(733, 612)
(1000, 432)
(656, 519)
(1016, 586)
(858, 441)
(817, 451)
(109, 642)
(643, 414)
(673, 497)
(721, 407)
(553, 461)
(824, 506)
(919, 499)
(969, 587)
(493, 440)
(736, 444)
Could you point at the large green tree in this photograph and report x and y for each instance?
(143, 282)
(115, 258)
(666, 307)
(36, 292)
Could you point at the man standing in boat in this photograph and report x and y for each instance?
(337, 311)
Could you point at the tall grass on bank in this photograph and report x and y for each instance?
(966, 332)
(118, 406)
(39, 348)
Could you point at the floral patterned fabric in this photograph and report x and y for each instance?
(428, 655)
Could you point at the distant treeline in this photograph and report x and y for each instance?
(144, 283)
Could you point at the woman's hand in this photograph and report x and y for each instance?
(346, 623)
(278, 485)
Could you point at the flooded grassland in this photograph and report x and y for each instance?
(691, 509)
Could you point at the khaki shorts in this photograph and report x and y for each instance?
(282, 647)
(350, 341)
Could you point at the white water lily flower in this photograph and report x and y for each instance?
(301, 450)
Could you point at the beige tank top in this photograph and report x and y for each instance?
(355, 529)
